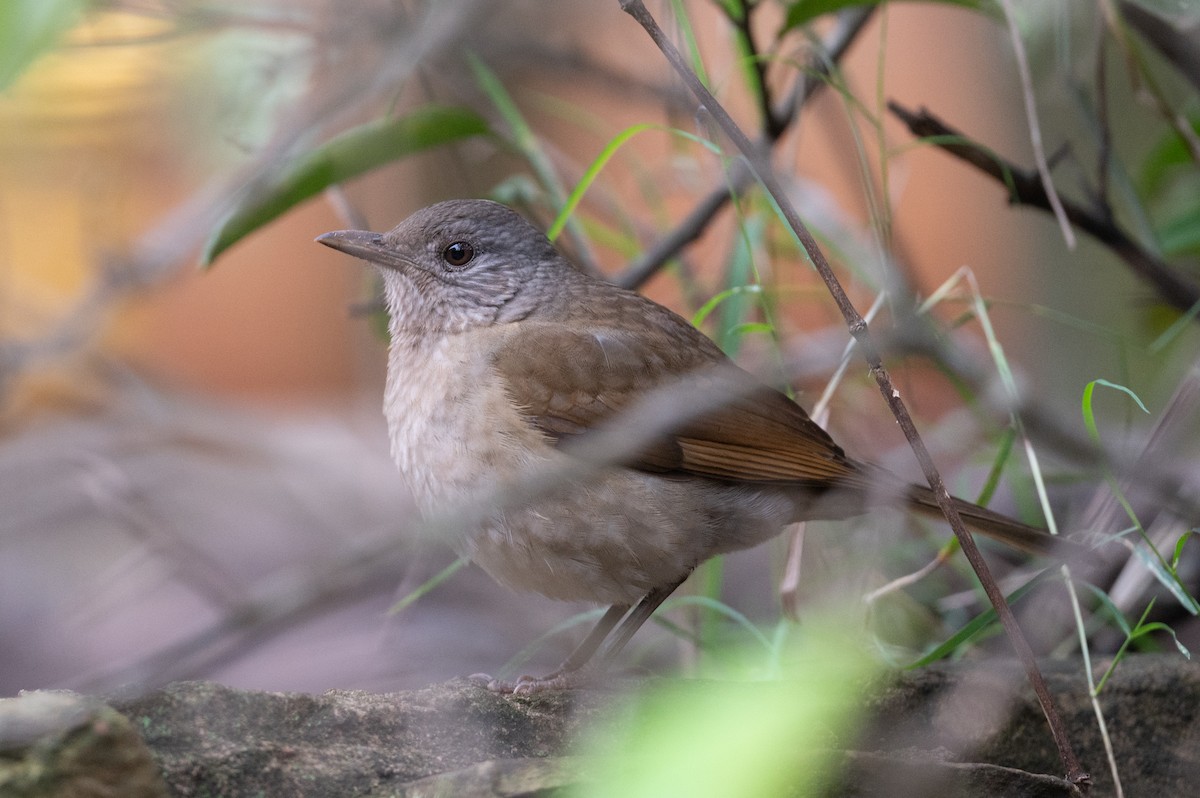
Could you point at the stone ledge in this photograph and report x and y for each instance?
(945, 730)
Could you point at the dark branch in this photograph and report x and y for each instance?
(1025, 188)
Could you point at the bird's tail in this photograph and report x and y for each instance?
(1000, 527)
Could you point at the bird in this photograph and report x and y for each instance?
(505, 360)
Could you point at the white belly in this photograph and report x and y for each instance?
(609, 537)
(453, 430)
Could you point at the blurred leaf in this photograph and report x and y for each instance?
(1179, 544)
(976, 625)
(428, 585)
(720, 608)
(750, 740)
(589, 176)
(802, 12)
(1114, 612)
(740, 271)
(700, 315)
(1169, 154)
(1087, 403)
(514, 665)
(1158, 626)
(351, 154)
(1167, 578)
(690, 43)
(1148, 554)
(1181, 235)
(28, 28)
(523, 138)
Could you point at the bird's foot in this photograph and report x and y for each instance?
(529, 685)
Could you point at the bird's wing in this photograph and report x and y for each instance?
(568, 383)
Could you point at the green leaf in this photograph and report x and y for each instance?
(593, 171)
(740, 271)
(345, 156)
(1181, 234)
(428, 585)
(752, 328)
(513, 666)
(1087, 403)
(1167, 578)
(712, 304)
(721, 608)
(1113, 611)
(1163, 161)
(690, 42)
(28, 28)
(802, 12)
(726, 738)
(523, 138)
(591, 174)
(1149, 555)
(976, 625)
(1179, 544)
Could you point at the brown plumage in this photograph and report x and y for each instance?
(504, 357)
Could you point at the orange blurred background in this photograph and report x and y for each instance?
(108, 132)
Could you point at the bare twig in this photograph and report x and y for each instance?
(1026, 189)
(760, 165)
(1035, 127)
(822, 63)
(1104, 150)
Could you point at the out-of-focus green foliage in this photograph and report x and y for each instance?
(351, 154)
(28, 28)
(1170, 183)
(744, 739)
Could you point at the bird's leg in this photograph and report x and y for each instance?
(584, 651)
(574, 671)
(640, 614)
(577, 659)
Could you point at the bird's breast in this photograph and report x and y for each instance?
(454, 431)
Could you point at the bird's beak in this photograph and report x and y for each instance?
(365, 245)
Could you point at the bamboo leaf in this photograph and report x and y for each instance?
(348, 155)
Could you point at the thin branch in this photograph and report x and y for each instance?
(1104, 151)
(1025, 188)
(773, 124)
(821, 64)
(1035, 127)
(759, 163)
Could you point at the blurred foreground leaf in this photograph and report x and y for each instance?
(28, 28)
(749, 739)
(351, 154)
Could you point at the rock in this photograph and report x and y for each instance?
(216, 740)
(67, 746)
(945, 730)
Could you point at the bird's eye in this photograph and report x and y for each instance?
(458, 254)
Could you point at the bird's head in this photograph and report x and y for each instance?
(457, 265)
